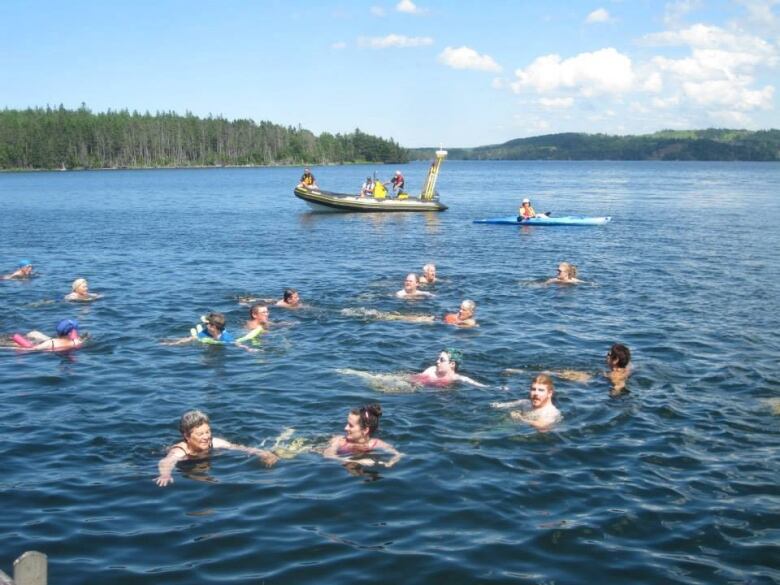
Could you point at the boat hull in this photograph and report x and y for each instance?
(326, 201)
(571, 220)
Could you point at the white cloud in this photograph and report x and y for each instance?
(675, 11)
(702, 36)
(377, 11)
(467, 58)
(603, 71)
(598, 15)
(654, 83)
(339, 45)
(556, 103)
(394, 41)
(665, 103)
(498, 83)
(408, 7)
(730, 95)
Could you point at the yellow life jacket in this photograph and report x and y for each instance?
(380, 191)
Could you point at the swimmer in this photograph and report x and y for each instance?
(539, 410)
(465, 315)
(410, 291)
(358, 440)
(213, 332)
(67, 338)
(567, 274)
(24, 270)
(198, 443)
(80, 292)
(258, 317)
(444, 373)
(429, 275)
(290, 300)
(619, 364)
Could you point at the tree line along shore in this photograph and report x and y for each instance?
(58, 138)
(671, 145)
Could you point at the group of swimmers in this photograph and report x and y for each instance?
(66, 332)
(359, 439)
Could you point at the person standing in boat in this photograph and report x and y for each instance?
(398, 183)
(308, 181)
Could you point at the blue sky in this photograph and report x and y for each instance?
(424, 72)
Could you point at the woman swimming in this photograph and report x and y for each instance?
(567, 274)
(80, 292)
(67, 338)
(358, 439)
(444, 372)
(197, 445)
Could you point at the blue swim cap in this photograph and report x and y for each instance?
(66, 326)
(23, 262)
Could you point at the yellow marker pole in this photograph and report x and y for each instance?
(433, 174)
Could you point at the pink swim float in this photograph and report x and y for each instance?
(22, 341)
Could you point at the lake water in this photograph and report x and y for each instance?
(674, 482)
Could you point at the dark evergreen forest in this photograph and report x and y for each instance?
(710, 144)
(54, 138)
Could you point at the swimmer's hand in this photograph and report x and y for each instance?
(164, 480)
(366, 461)
(268, 458)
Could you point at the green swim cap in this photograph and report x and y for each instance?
(455, 355)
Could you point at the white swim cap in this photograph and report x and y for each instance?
(398, 172)
(526, 200)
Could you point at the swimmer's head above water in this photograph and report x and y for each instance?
(366, 418)
(618, 356)
(68, 328)
(191, 420)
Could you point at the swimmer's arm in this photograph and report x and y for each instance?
(388, 448)
(331, 451)
(468, 380)
(268, 458)
(572, 375)
(468, 323)
(181, 341)
(166, 465)
(509, 404)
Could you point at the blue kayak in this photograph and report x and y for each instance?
(544, 220)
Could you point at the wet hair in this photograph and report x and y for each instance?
(190, 420)
(288, 294)
(77, 283)
(470, 305)
(254, 308)
(620, 353)
(368, 416)
(543, 379)
(456, 357)
(571, 270)
(216, 319)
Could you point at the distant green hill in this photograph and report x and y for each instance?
(54, 138)
(711, 144)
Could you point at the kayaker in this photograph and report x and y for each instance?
(358, 440)
(538, 410)
(525, 211)
(308, 181)
(410, 291)
(197, 445)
